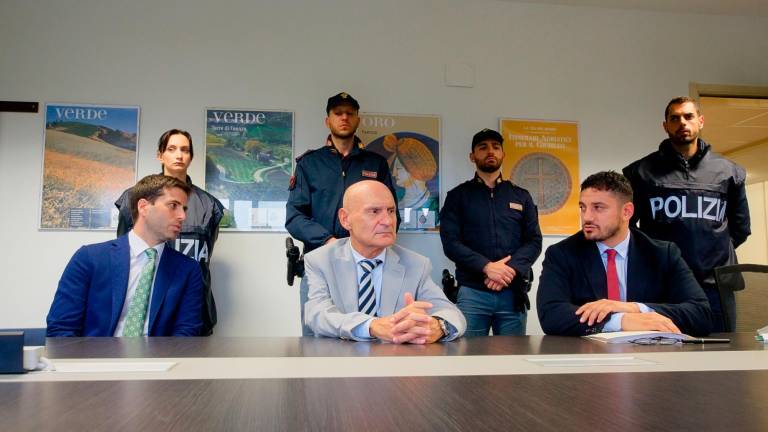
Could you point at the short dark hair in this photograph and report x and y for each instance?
(151, 187)
(162, 143)
(609, 181)
(679, 101)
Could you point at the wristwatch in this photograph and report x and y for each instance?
(443, 326)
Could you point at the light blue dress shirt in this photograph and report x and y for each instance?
(362, 330)
(622, 250)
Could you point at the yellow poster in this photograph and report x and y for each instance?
(543, 157)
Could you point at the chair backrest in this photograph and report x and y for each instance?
(748, 284)
(32, 336)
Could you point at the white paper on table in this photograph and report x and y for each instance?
(102, 366)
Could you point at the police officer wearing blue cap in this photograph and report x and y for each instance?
(490, 228)
(321, 177)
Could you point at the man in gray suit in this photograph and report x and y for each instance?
(365, 287)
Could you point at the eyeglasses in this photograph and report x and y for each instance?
(656, 341)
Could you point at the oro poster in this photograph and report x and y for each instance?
(89, 160)
(543, 157)
(411, 145)
(248, 165)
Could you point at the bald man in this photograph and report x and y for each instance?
(367, 288)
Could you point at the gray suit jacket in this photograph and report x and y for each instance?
(331, 274)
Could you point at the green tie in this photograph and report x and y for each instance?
(137, 311)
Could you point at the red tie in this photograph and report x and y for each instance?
(613, 277)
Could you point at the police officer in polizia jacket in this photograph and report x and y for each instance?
(321, 177)
(694, 197)
(490, 228)
(204, 212)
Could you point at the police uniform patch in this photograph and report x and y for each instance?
(516, 206)
(292, 183)
(369, 174)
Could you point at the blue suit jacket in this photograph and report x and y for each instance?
(573, 274)
(91, 293)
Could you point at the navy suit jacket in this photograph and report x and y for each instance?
(573, 274)
(91, 293)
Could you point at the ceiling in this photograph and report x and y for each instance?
(709, 7)
(738, 128)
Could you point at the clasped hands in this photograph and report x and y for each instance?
(633, 319)
(411, 324)
(498, 274)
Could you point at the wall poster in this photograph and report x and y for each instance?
(543, 157)
(89, 159)
(411, 144)
(248, 165)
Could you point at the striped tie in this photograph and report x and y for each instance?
(366, 300)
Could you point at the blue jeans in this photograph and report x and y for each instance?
(485, 310)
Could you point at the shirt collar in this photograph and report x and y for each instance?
(358, 257)
(621, 248)
(498, 180)
(355, 147)
(138, 246)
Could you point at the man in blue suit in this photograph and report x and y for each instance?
(608, 277)
(134, 285)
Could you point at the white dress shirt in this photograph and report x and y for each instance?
(138, 259)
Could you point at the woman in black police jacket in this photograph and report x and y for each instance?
(201, 227)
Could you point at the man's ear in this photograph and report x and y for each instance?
(143, 206)
(344, 218)
(627, 210)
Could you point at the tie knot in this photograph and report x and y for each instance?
(369, 265)
(151, 253)
(611, 253)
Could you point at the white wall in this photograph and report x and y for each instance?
(755, 249)
(611, 70)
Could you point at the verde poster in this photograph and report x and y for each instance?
(248, 165)
(89, 159)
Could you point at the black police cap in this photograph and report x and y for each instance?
(341, 99)
(486, 134)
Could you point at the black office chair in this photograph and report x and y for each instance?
(32, 336)
(743, 290)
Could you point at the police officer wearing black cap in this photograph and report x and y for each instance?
(321, 177)
(490, 228)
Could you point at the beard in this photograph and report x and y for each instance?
(682, 140)
(490, 167)
(600, 235)
(343, 135)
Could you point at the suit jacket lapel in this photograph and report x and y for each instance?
(345, 273)
(391, 283)
(163, 279)
(636, 268)
(119, 265)
(593, 266)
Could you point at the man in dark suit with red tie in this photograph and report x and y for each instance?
(608, 277)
